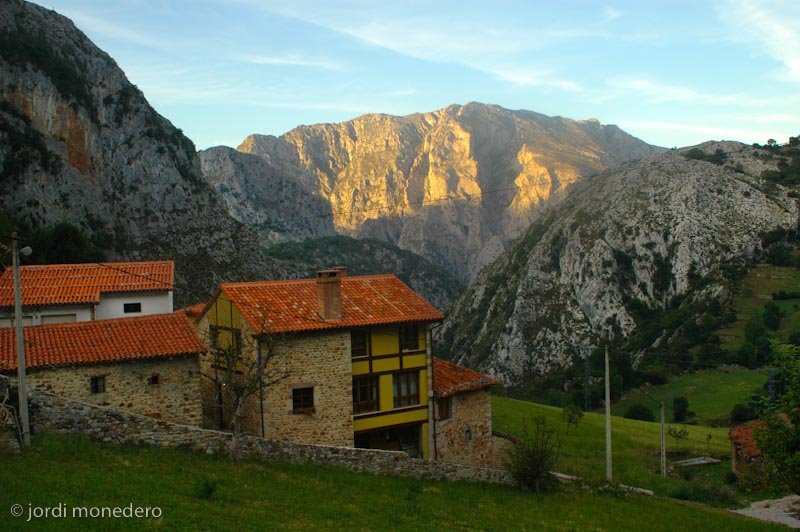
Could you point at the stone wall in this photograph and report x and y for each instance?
(466, 437)
(53, 413)
(318, 360)
(176, 398)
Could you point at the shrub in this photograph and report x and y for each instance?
(741, 414)
(572, 415)
(534, 456)
(772, 316)
(640, 412)
(680, 409)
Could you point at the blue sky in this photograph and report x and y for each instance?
(673, 73)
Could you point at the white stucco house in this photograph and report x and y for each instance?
(65, 293)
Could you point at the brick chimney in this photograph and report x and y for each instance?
(329, 293)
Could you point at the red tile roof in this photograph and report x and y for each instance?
(94, 342)
(64, 284)
(743, 439)
(192, 311)
(291, 306)
(450, 379)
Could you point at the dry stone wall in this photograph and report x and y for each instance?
(54, 413)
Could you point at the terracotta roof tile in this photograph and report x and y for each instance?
(291, 306)
(192, 311)
(450, 379)
(63, 284)
(93, 342)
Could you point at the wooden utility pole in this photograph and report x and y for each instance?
(608, 418)
(663, 444)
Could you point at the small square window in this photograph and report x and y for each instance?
(154, 379)
(303, 400)
(97, 385)
(131, 308)
(409, 338)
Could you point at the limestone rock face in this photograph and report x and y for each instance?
(393, 178)
(644, 232)
(79, 143)
(277, 207)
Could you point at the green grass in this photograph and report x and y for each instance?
(711, 393)
(756, 291)
(265, 496)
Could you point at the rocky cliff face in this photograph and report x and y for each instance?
(81, 144)
(633, 237)
(386, 176)
(277, 207)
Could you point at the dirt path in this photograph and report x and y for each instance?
(783, 511)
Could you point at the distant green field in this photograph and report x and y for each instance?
(635, 444)
(757, 289)
(269, 496)
(711, 393)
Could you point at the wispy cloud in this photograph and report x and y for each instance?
(95, 26)
(291, 60)
(533, 78)
(611, 13)
(774, 25)
(661, 93)
(402, 92)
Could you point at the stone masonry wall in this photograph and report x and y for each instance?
(466, 438)
(319, 360)
(53, 413)
(176, 399)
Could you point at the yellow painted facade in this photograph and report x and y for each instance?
(384, 361)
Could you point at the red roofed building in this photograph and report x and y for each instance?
(463, 414)
(147, 364)
(357, 350)
(65, 293)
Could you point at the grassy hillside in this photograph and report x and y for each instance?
(757, 288)
(268, 496)
(635, 452)
(711, 393)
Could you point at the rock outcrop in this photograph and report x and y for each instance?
(455, 185)
(638, 235)
(79, 143)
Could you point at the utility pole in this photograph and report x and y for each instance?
(663, 444)
(21, 369)
(608, 418)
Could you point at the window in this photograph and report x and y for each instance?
(131, 308)
(97, 384)
(409, 338)
(406, 389)
(444, 407)
(154, 379)
(365, 394)
(303, 400)
(359, 343)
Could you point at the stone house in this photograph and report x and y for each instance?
(357, 357)
(463, 415)
(66, 293)
(148, 364)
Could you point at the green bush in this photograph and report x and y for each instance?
(640, 412)
(680, 409)
(741, 414)
(205, 489)
(532, 458)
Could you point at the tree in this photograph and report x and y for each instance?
(534, 456)
(772, 316)
(678, 434)
(779, 438)
(240, 376)
(640, 412)
(680, 409)
(572, 415)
